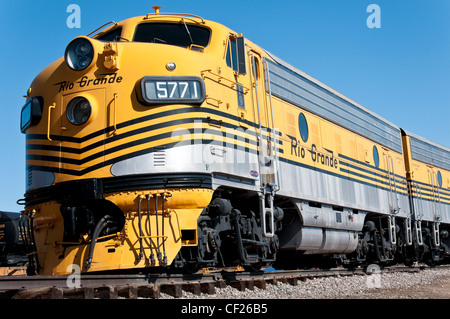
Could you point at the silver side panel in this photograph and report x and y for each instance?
(427, 210)
(228, 166)
(296, 87)
(37, 179)
(297, 182)
(312, 185)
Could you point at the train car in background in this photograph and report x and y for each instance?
(13, 239)
(428, 174)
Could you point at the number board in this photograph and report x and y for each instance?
(173, 89)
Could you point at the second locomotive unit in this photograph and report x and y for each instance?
(13, 239)
(167, 140)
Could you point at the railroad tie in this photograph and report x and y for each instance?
(241, 285)
(149, 291)
(42, 293)
(173, 289)
(128, 292)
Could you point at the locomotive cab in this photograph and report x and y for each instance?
(117, 132)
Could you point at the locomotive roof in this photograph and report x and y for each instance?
(170, 17)
(303, 90)
(429, 152)
(326, 87)
(388, 138)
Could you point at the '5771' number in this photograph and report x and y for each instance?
(176, 90)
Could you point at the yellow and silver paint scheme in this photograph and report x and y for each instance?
(428, 175)
(121, 127)
(227, 139)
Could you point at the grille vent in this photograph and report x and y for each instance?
(159, 158)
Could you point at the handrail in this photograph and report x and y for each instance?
(115, 23)
(214, 99)
(148, 16)
(141, 247)
(275, 146)
(115, 113)
(178, 223)
(202, 48)
(233, 83)
(49, 118)
(393, 199)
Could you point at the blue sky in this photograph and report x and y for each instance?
(400, 71)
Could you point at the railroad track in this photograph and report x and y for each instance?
(132, 286)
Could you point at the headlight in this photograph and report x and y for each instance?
(78, 111)
(79, 54)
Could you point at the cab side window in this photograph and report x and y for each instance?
(235, 56)
(231, 54)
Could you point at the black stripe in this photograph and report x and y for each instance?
(134, 154)
(384, 178)
(145, 140)
(148, 118)
(404, 189)
(334, 174)
(156, 181)
(429, 188)
(367, 165)
(79, 151)
(70, 192)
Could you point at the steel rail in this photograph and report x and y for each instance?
(151, 285)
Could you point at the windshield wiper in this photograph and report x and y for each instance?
(187, 30)
(118, 38)
(159, 40)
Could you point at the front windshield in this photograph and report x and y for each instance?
(113, 35)
(179, 34)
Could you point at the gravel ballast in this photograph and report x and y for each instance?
(429, 283)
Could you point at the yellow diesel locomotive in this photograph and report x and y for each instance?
(169, 141)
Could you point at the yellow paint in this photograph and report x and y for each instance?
(182, 208)
(119, 120)
(423, 177)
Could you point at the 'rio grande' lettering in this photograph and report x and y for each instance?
(326, 159)
(87, 82)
